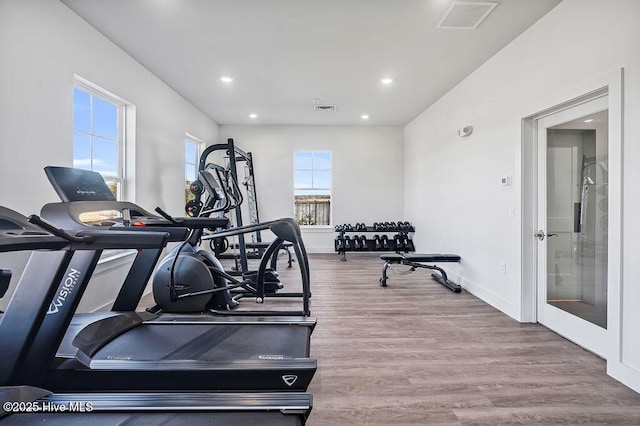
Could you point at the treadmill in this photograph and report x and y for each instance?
(140, 351)
(29, 305)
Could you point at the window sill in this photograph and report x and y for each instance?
(111, 259)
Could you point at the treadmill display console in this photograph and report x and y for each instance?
(78, 185)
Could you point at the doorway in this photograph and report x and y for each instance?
(572, 223)
(585, 245)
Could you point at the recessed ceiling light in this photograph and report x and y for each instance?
(253, 115)
(589, 120)
(226, 79)
(365, 116)
(386, 81)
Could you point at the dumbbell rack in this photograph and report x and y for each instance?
(370, 243)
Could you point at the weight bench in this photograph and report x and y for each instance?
(418, 261)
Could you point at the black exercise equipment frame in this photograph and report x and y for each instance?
(236, 155)
(286, 229)
(246, 250)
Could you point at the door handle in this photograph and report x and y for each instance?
(540, 235)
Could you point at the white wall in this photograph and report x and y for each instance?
(466, 212)
(42, 45)
(368, 177)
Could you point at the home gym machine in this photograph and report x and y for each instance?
(256, 248)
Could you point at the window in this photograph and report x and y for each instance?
(312, 187)
(191, 158)
(98, 135)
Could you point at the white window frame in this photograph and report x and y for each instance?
(98, 92)
(198, 145)
(126, 153)
(312, 188)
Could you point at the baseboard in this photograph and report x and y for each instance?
(626, 375)
(321, 250)
(485, 295)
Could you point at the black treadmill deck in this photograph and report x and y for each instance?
(193, 356)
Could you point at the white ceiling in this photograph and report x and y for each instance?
(283, 54)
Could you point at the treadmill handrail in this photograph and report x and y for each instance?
(97, 239)
(17, 234)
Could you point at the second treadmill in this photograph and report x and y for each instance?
(136, 351)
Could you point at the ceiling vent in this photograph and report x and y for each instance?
(325, 108)
(465, 15)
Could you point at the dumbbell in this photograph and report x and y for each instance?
(339, 244)
(377, 242)
(407, 242)
(356, 242)
(385, 242)
(347, 243)
(398, 241)
(363, 242)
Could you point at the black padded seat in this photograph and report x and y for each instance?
(415, 257)
(419, 260)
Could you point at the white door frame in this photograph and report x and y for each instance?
(612, 84)
(574, 328)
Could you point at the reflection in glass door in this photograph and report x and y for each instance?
(577, 228)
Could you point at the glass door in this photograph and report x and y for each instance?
(572, 223)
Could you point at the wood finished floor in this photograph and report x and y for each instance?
(416, 353)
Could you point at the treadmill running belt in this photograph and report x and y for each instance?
(154, 342)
